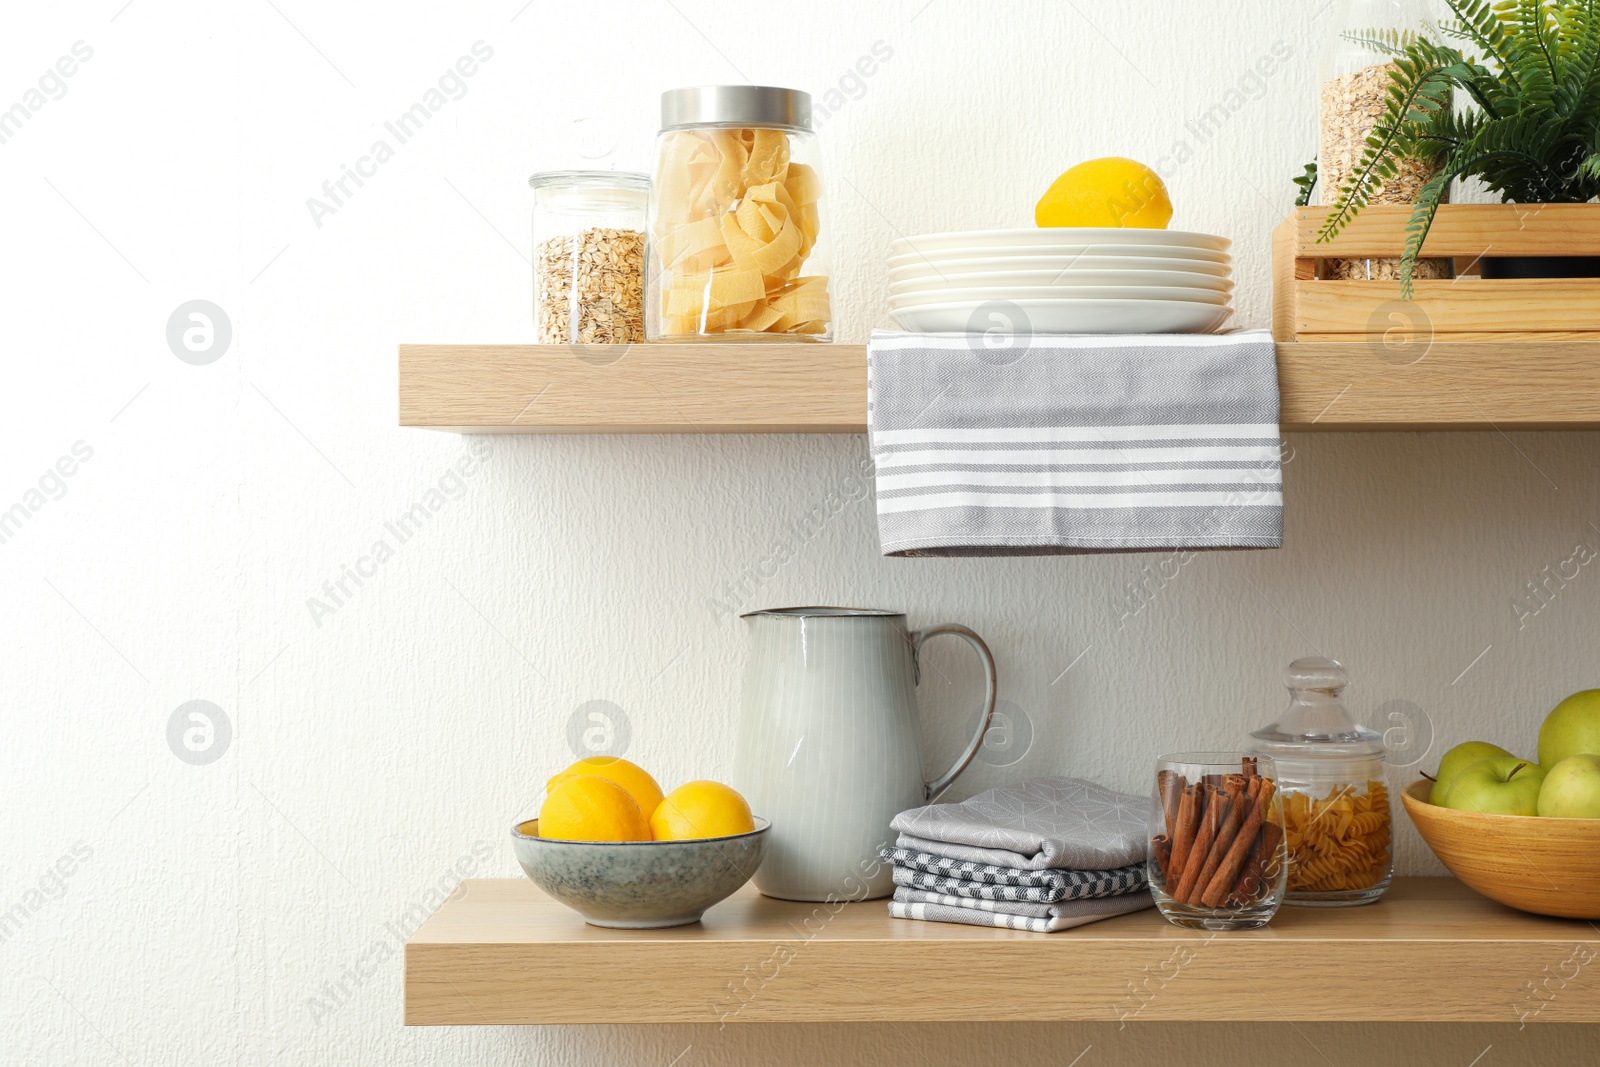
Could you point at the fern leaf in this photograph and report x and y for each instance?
(1477, 22)
(1421, 221)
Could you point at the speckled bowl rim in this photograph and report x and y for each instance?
(762, 826)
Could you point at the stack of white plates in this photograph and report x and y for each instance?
(1061, 281)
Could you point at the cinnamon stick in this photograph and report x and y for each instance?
(1183, 833)
(1161, 852)
(1250, 765)
(1236, 789)
(1195, 861)
(1258, 868)
(1170, 785)
(1226, 875)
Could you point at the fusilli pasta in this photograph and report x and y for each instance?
(1340, 841)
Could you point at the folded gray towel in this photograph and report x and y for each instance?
(1062, 823)
(1027, 909)
(1064, 917)
(967, 871)
(1077, 885)
(1074, 444)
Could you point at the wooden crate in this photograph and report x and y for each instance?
(1308, 307)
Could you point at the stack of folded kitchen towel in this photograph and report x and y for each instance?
(1046, 854)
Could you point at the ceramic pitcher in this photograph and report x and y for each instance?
(828, 744)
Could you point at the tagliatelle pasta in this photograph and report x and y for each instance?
(1340, 841)
(735, 219)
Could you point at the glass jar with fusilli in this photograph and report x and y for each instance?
(1336, 818)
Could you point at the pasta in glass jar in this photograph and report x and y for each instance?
(737, 249)
(1336, 819)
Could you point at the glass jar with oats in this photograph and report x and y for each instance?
(588, 256)
(1336, 819)
(1355, 80)
(738, 250)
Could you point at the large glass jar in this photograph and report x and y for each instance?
(1336, 816)
(1354, 74)
(588, 256)
(738, 248)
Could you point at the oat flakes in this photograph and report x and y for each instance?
(589, 287)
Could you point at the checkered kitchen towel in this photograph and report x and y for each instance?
(1064, 444)
(971, 871)
(1074, 885)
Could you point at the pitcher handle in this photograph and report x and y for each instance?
(938, 785)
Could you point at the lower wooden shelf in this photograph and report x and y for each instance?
(500, 952)
(822, 388)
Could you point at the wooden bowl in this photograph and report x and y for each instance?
(1546, 866)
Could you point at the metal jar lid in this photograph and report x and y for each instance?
(591, 179)
(736, 105)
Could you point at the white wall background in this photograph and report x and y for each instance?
(372, 752)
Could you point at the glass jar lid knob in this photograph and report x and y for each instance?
(1317, 673)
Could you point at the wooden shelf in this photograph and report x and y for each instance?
(822, 388)
(500, 952)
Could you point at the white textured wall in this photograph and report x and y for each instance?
(208, 905)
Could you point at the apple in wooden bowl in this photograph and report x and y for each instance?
(1528, 862)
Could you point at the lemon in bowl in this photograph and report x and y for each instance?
(701, 810)
(590, 808)
(634, 779)
(1109, 193)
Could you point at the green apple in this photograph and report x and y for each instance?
(1571, 789)
(1500, 785)
(1459, 759)
(1573, 727)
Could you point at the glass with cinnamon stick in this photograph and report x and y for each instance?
(1217, 856)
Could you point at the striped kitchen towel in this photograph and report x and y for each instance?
(1025, 909)
(1076, 885)
(1065, 444)
(1064, 917)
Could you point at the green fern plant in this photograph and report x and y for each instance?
(1531, 134)
(1306, 183)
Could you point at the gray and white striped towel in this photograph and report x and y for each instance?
(1079, 885)
(1072, 913)
(1065, 444)
(1065, 909)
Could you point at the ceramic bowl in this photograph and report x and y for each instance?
(1546, 866)
(637, 885)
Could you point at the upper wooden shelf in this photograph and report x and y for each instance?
(500, 952)
(822, 388)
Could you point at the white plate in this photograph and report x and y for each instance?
(915, 266)
(1069, 316)
(1164, 253)
(1014, 295)
(1062, 279)
(1034, 236)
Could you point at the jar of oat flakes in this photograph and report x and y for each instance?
(738, 239)
(588, 256)
(1355, 80)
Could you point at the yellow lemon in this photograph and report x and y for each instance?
(630, 776)
(701, 809)
(586, 808)
(1113, 192)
